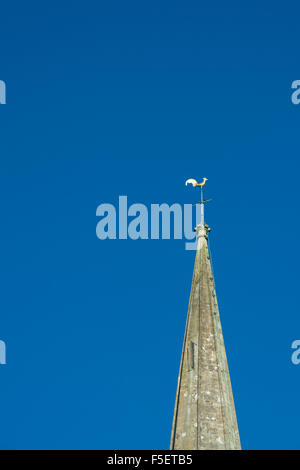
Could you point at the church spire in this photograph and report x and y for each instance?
(204, 415)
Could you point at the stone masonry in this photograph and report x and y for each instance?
(204, 415)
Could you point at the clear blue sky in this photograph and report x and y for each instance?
(131, 98)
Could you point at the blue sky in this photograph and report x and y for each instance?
(131, 98)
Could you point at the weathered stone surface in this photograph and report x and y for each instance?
(204, 415)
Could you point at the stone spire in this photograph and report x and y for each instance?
(204, 415)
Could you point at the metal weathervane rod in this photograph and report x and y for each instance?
(196, 184)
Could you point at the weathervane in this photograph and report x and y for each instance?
(195, 184)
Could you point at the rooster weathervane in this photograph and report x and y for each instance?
(195, 183)
(200, 185)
